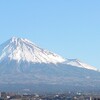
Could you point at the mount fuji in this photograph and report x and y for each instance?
(25, 65)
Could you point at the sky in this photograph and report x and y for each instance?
(70, 28)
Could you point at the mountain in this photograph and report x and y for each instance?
(25, 65)
(23, 50)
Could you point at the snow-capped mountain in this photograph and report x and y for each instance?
(24, 50)
(23, 62)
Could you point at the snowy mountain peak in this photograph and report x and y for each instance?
(19, 40)
(20, 49)
(23, 50)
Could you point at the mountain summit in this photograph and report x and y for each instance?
(20, 49)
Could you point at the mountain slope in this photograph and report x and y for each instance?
(78, 63)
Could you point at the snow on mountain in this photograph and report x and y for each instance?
(20, 49)
(78, 63)
(23, 50)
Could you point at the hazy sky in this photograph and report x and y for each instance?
(70, 28)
